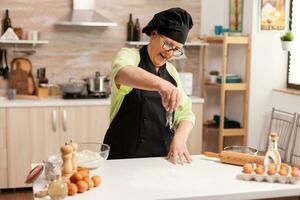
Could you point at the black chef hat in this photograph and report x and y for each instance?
(174, 23)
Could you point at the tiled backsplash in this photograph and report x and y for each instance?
(80, 51)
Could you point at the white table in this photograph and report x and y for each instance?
(156, 178)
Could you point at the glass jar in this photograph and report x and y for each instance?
(57, 188)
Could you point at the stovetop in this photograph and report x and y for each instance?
(85, 96)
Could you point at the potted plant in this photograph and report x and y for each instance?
(287, 41)
(213, 76)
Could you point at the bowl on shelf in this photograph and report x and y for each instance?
(92, 155)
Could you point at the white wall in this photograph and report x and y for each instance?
(268, 65)
(268, 71)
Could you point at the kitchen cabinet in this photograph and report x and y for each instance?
(34, 133)
(84, 123)
(3, 149)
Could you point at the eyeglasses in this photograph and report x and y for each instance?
(168, 47)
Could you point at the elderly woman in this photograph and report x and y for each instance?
(150, 113)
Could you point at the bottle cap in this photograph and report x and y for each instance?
(274, 136)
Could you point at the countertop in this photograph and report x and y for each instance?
(4, 103)
(157, 178)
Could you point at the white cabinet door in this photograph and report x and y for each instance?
(194, 142)
(32, 135)
(3, 149)
(84, 123)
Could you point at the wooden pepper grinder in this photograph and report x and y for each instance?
(74, 156)
(66, 154)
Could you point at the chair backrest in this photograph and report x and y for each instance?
(283, 124)
(295, 149)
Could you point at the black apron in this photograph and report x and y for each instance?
(138, 129)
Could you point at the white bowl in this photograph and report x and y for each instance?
(92, 155)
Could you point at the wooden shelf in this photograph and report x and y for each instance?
(225, 41)
(32, 42)
(233, 132)
(229, 86)
(227, 132)
(230, 39)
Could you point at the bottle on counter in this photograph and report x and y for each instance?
(272, 156)
(57, 189)
(130, 28)
(137, 31)
(6, 23)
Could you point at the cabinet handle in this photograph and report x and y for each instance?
(54, 120)
(65, 120)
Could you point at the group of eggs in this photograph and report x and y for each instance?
(80, 182)
(283, 173)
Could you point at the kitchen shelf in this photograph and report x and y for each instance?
(227, 40)
(230, 39)
(229, 86)
(141, 43)
(25, 42)
(227, 131)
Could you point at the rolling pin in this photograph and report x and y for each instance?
(231, 157)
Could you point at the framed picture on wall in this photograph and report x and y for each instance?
(272, 15)
(236, 15)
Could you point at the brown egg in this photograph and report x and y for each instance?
(72, 189)
(97, 180)
(247, 168)
(283, 172)
(82, 186)
(284, 166)
(76, 177)
(84, 172)
(295, 168)
(295, 173)
(259, 170)
(89, 182)
(271, 171)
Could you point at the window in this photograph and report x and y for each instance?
(293, 79)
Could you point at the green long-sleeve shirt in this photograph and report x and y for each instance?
(131, 57)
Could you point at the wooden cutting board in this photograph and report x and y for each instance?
(21, 76)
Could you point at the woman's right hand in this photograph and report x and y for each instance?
(169, 95)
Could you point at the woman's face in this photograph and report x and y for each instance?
(162, 48)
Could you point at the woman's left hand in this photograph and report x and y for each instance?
(178, 151)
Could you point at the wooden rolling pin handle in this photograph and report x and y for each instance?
(211, 154)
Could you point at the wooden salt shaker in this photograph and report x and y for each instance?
(66, 154)
(74, 156)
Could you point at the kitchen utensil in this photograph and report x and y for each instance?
(97, 84)
(242, 149)
(73, 86)
(21, 76)
(92, 155)
(6, 69)
(236, 158)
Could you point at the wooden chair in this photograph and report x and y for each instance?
(295, 149)
(283, 124)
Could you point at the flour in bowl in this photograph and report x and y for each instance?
(89, 159)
